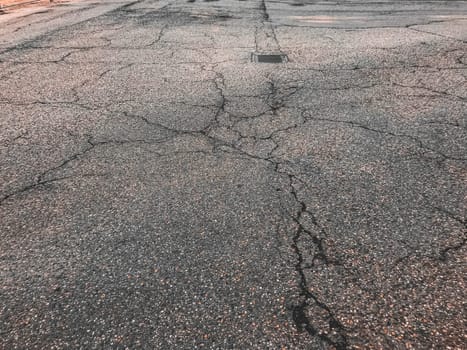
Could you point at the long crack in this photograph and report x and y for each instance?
(412, 138)
(299, 314)
(275, 101)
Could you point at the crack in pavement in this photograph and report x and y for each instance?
(265, 35)
(412, 138)
(299, 313)
(275, 99)
(438, 92)
(42, 180)
(299, 316)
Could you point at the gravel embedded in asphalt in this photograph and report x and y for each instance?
(161, 190)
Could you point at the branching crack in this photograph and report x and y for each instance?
(42, 179)
(438, 92)
(302, 321)
(414, 139)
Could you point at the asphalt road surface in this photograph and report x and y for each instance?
(161, 189)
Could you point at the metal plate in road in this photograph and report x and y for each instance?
(269, 58)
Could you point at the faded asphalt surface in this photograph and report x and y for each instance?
(159, 190)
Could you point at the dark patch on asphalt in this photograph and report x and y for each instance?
(264, 11)
(179, 17)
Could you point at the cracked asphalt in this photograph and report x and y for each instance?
(159, 190)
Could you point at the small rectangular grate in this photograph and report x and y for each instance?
(269, 58)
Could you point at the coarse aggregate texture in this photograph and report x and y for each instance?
(160, 190)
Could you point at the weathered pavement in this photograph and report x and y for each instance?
(161, 191)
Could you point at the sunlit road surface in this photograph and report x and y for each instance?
(164, 187)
